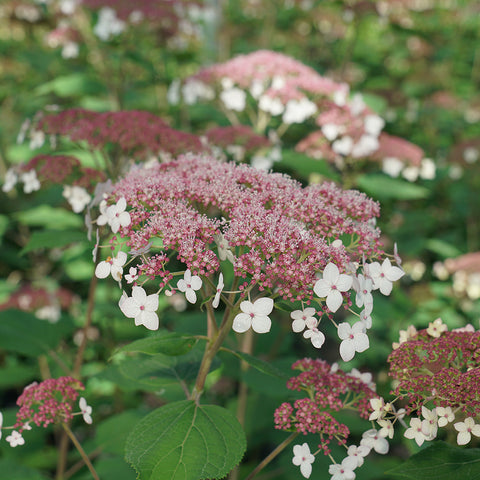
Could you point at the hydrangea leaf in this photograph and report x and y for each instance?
(441, 461)
(168, 343)
(382, 187)
(260, 365)
(52, 239)
(186, 441)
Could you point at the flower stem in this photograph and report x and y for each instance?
(81, 451)
(271, 456)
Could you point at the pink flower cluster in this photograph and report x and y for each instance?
(278, 234)
(438, 366)
(328, 389)
(47, 402)
(134, 132)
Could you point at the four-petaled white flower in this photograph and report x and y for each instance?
(132, 275)
(418, 431)
(465, 430)
(188, 284)
(430, 422)
(354, 340)
(344, 470)
(303, 459)
(383, 275)
(331, 286)
(115, 215)
(86, 410)
(378, 406)
(15, 439)
(140, 307)
(316, 336)
(445, 415)
(224, 252)
(363, 286)
(220, 285)
(372, 439)
(112, 265)
(10, 180)
(358, 453)
(387, 428)
(30, 184)
(436, 328)
(77, 197)
(303, 318)
(254, 315)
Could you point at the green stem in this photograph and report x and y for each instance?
(81, 451)
(271, 456)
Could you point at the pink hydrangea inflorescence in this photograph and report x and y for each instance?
(328, 389)
(50, 401)
(279, 234)
(441, 367)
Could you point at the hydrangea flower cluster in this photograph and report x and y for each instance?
(329, 390)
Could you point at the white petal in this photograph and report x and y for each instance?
(242, 322)
(263, 306)
(306, 469)
(247, 307)
(334, 300)
(331, 273)
(139, 295)
(103, 270)
(385, 287)
(361, 342)
(318, 339)
(347, 350)
(196, 282)
(394, 273)
(120, 259)
(182, 285)
(149, 320)
(322, 288)
(191, 295)
(344, 283)
(130, 308)
(116, 272)
(261, 324)
(151, 303)
(344, 330)
(124, 219)
(187, 276)
(298, 325)
(463, 438)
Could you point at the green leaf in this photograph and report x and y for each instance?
(24, 333)
(168, 343)
(53, 239)
(442, 248)
(258, 364)
(112, 433)
(49, 217)
(74, 84)
(9, 470)
(383, 187)
(441, 461)
(186, 441)
(304, 165)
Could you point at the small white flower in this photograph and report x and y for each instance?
(15, 439)
(303, 459)
(224, 252)
(140, 307)
(331, 131)
(51, 313)
(378, 406)
(234, 99)
(430, 422)
(383, 275)
(374, 124)
(354, 340)
(316, 336)
(112, 265)
(220, 286)
(331, 286)
(445, 415)
(363, 286)
(303, 318)
(392, 166)
(77, 197)
(343, 146)
(108, 24)
(372, 439)
(396, 256)
(86, 410)
(436, 328)
(365, 377)
(417, 431)
(358, 453)
(345, 470)
(366, 145)
(410, 173)
(132, 275)
(387, 428)
(365, 318)
(188, 284)
(254, 315)
(428, 169)
(357, 105)
(297, 111)
(30, 181)
(465, 430)
(10, 181)
(274, 106)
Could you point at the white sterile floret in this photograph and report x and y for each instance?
(15, 439)
(331, 286)
(392, 166)
(86, 410)
(354, 340)
(372, 439)
(387, 428)
(108, 24)
(256, 88)
(224, 252)
(430, 422)
(315, 335)
(331, 131)
(303, 459)
(271, 105)
(132, 275)
(344, 470)
(303, 318)
(383, 275)
(428, 169)
(297, 111)
(140, 307)
(365, 377)
(173, 92)
(70, 50)
(343, 146)
(37, 139)
(436, 328)
(366, 145)
(112, 265)
(51, 313)
(254, 315)
(374, 124)
(340, 97)
(358, 453)
(10, 180)
(445, 415)
(418, 431)
(357, 105)
(378, 407)
(115, 215)
(234, 99)
(194, 90)
(363, 286)
(411, 173)
(189, 284)
(30, 181)
(220, 285)
(77, 197)
(465, 430)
